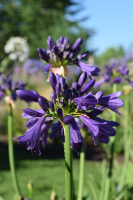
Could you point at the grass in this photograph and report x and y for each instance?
(45, 174)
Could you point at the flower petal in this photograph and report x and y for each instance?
(47, 67)
(33, 113)
(27, 95)
(88, 86)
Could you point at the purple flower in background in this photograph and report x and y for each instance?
(128, 57)
(62, 54)
(33, 65)
(21, 198)
(115, 72)
(66, 106)
(8, 87)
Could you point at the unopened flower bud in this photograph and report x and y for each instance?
(51, 106)
(50, 42)
(66, 41)
(53, 96)
(21, 198)
(58, 89)
(59, 112)
(53, 80)
(78, 43)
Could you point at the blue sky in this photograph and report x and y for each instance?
(112, 21)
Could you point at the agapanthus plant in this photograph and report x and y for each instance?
(7, 90)
(67, 104)
(61, 113)
(61, 54)
(115, 73)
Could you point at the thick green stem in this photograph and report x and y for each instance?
(74, 196)
(68, 166)
(111, 156)
(30, 194)
(81, 174)
(30, 187)
(11, 152)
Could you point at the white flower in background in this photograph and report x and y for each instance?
(17, 48)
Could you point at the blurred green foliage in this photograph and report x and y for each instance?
(109, 54)
(45, 174)
(36, 20)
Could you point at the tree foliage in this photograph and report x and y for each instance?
(36, 20)
(108, 54)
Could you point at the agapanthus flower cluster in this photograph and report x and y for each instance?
(115, 72)
(32, 65)
(66, 105)
(21, 198)
(61, 54)
(8, 87)
(128, 58)
(17, 48)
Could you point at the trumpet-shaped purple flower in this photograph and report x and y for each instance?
(110, 101)
(9, 87)
(66, 105)
(100, 130)
(62, 54)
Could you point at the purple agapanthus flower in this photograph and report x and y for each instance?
(66, 105)
(115, 72)
(21, 198)
(32, 65)
(128, 57)
(61, 54)
(8, 87)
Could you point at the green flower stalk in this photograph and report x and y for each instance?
(82, 160)
(111, 156)
(11, 152)
(104, 164)
(126, 133)
(30, 188)
(68, 166)
(81, 174)
(127, 90)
